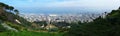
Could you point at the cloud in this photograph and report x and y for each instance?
(85, 3)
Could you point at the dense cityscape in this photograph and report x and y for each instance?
(86, 17)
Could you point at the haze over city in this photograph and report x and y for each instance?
(63, 6)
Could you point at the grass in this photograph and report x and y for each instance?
(26, 32)
(29, 33)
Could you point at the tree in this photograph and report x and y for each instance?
(16, 11)
(79, 22)
(1, 8)
(108, 26)
(105, 13)
(7, 7)
(11, 8)
(2, 4)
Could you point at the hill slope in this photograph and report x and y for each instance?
(9, 15)
(108, 26)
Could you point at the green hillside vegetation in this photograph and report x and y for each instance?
(11, 24)
(9, 15)
(29, 33)
(108, 26)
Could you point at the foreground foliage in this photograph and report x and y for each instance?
(29, 33)
(108, 26)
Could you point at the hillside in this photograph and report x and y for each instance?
(108, 26)
(11, 24)
(10, 16)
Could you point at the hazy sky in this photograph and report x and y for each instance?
(62, 5)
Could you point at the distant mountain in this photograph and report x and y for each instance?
(64, 10)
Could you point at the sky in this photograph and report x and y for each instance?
(63, 6)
